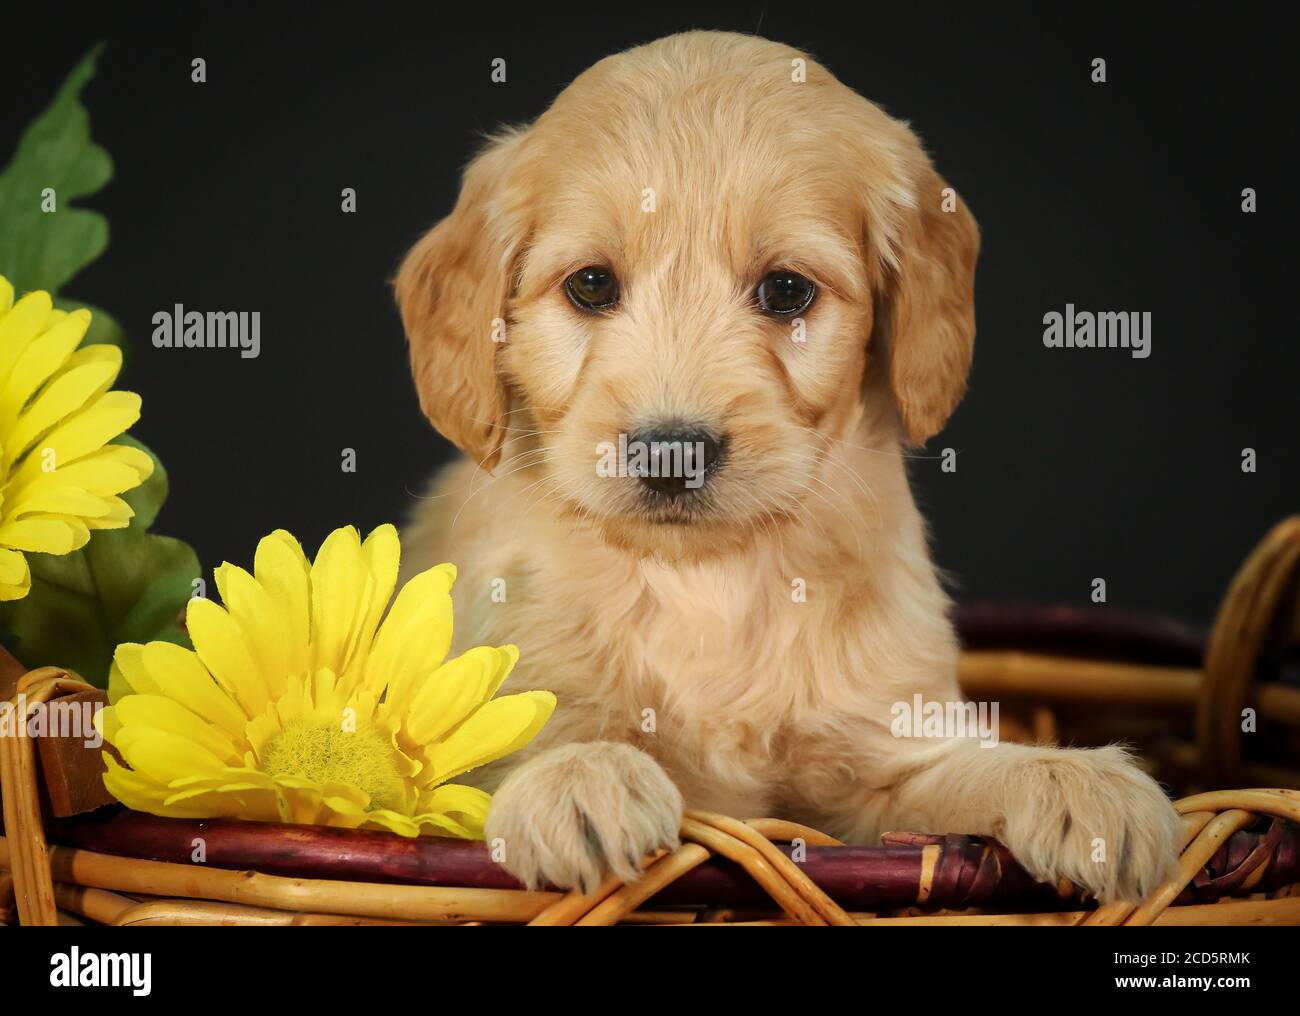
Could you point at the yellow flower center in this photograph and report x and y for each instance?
(327, 753)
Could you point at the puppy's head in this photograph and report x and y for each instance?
(666, 291)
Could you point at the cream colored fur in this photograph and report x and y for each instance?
(685, 666)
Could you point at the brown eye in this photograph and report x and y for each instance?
(785, 293)
(592, 288)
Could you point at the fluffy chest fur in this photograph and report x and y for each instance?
(720, 668)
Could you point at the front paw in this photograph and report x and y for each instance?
(572, 815)
(1091, 816)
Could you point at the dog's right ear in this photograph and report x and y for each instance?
(452, 290)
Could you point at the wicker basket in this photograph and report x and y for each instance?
(1240, 863)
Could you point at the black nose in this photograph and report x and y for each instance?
(673, 460)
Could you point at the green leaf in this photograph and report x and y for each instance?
(125, 585)
(40, 249)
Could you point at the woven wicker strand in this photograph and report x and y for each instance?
(104, 907)
(57, 884)
(620, 905)
(360, 899)
(1247, 618)
(54, 884)
(30, 863)
(1210, 819)
(798, 896)
(575, 905)
(1277, 912)
(129, 891)
(826, 908)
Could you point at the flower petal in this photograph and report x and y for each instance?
(221, 646)
(502, 726)
(84, 432)
(450, 694)
(129, 675)
(45, 534)
(467, 806)
(416, 635)
(265, 630)
(382, 552)
(161, 713)
(339, 581)
(37, 363)
(20, 326)
(162, 755)
(15, 576)
(185, 679)
(393, 821)
(110, 470)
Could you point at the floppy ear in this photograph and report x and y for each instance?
(451, 288)
(927, 313)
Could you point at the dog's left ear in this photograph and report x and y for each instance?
(927, 243)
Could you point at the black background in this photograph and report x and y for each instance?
(1073, 464)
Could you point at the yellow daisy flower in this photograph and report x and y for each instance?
(298, 705)
(59, 477)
